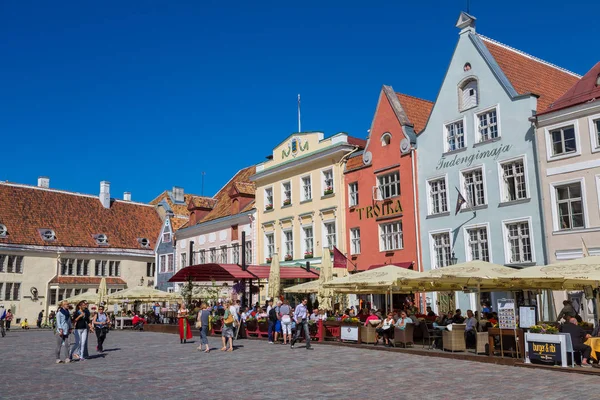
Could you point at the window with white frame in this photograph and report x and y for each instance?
(442, 249)
(438, 196)
(467, 94)
(474, 187)
(162, 264)
(268, 198)
(353, 194)
(519, 242)
(212, 255)
(308, 241)
(487, 125)
(286, 193)
(595, 131)
(183, 260)
(514, 184)
(478, 243)
(150, 269)
(563, 140)
(355, 241)
(223, 255)
(202, 257)
(270, 244)
(389, 185)
(391, 236)
(328, 182)
(101, 267)
(455, 135)
(330, 235)
(306, 188)
(248, 251)
(235, 253)
(288, 244)
(569, 204)
(114, 267)
(14, 264)
(12, 291)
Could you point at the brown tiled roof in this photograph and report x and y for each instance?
(417, 110)
(357, 142)
(528, 74)
(583, 91)
(354, 163)
(248, 188)
(222, 207)
(74, 218)
(85, 280)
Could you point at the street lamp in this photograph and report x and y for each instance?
(453, 259)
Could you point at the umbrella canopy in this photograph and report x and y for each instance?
(325, 295)
(102, 290)
(307, 287)
(140, 293)
(380, 280)
(274, 277)
(476, 273)
(87, 296)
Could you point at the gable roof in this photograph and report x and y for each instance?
(75, 218)
(417, 110)
(529, 74)
(180, 210)
(583, 91)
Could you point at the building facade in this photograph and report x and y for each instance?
(568, 141)
(477, 156)
(381, 186)
(172, 206)
(300, 198)
(56, 244)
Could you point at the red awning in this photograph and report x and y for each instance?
(407, 265)
(262, 272)
(231, 272)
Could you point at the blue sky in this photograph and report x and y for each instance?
(149, 94)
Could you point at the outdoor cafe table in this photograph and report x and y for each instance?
(493, 332)
(594, 343)
(122, 320)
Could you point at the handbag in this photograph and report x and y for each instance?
(199, 320)
(229, 320)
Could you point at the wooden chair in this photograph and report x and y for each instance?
(454, 340)
(404, 336)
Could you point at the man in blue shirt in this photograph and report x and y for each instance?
(301, 318)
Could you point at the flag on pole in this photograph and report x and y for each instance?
(586, 252)
(339, 259)
(460, 200)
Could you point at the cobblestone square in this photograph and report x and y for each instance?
(143, 365)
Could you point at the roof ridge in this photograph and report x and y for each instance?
(414, 97)
(507, 47)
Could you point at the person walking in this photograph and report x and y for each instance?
(63, 330)
(100, 322)
(272, 320)
(80, 332)
(227, 328)
(301, 318)
(9, 318)
(203, 319)
(40, 319)
(185, 332)
(286, 322)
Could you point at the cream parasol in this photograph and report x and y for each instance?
(324, 294)
(379, 280)
(87, 296)
(274, 277)
(142, 293)
(102, 290)
(307, 287)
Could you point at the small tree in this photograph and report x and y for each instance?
(187, 290)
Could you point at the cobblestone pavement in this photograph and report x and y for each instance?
(141, 365)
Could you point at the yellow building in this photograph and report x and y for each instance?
(300, 197)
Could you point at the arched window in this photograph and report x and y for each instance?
(385, 139)
(467, 94)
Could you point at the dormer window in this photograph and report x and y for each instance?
(101, 238)
(467, 94)
(3, 230)
(385, 139)
(48, 235)
(145, 243)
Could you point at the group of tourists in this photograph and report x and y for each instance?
(79, 324)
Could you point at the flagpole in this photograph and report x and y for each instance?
(299, 123)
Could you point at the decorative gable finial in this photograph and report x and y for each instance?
(466, 21)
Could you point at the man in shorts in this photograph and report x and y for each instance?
(286, 322)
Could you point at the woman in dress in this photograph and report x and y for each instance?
(81, 325)
(100, 322)
(185, 331)
(227, 329)
(203, 316)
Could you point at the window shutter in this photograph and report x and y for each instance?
(469, 95)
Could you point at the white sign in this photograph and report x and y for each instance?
(526, 317)
(507, 318)
(115, 309)
(349, 333)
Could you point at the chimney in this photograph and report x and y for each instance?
(127, 196)
(43, 182)
(105, 194)
(178, 194)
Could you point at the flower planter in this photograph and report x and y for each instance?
(308, 256)
(263, 329)
(288, 258)
(217, 326)
(269, 260)
(332, 323)
(327, 192)
(287, 203)
(268, 208)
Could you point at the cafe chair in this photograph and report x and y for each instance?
(430, 335)
(454, 340)
(403, 336)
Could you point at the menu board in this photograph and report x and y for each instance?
(507, 318)
(527, 316)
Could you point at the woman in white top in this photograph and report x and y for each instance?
(386, 329)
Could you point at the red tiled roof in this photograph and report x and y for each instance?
(354, 163)
(528, 74)
(85, 280)
(248, 188)
(74, 218)
(417, 110)
(357, 142)
(583, 91)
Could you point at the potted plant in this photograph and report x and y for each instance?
(269, 260)
(268, 207)
(328, 190)
(287, 202)
(351, 321)
(288, 257)
(251, 324)
(544, 329)
(308, 254)
(332, 321)
(217, 322)
(313, 328)
(263, 325)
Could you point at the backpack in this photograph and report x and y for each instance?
(273, 315)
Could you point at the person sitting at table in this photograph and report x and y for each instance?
(578, 336)
(315, 315)
(485, 308)
(430, 312)
(386, 329)
(138, 322)
(457, 318)
(567, 312)
(413, 317)
(470, 329)
(371, 317)
(403, 320)
(492, 318)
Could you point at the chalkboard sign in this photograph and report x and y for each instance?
(527, 316)
(546, 352)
